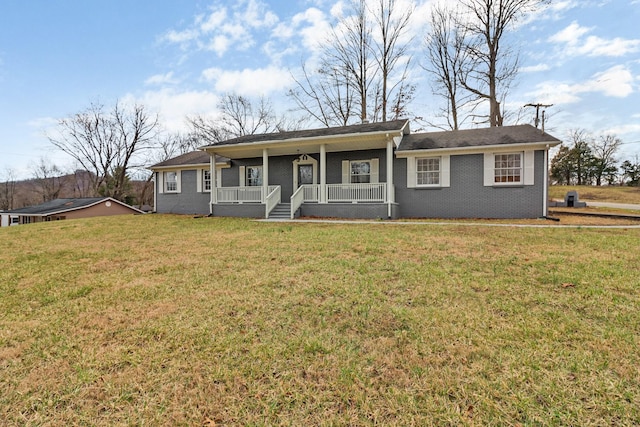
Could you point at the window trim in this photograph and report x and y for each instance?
(505, 157)
(445, 172)
(439, 171)
(205, 181)
(165, 181)
(246, 176)
(527, 169)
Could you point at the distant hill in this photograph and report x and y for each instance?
(18, 194)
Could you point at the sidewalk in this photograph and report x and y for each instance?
(612, 205)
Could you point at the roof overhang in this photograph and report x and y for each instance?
(219, 165)
(307, 145)
(478, 149)
(74, 208)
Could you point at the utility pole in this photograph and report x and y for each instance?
(537, 107)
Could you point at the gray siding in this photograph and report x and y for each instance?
(349, 210)
(468, 197)
(188, 201)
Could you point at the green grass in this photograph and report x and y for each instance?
(168, 320)
(613, 194)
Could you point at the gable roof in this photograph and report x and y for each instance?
(65, 205)
(501, 135)
(391, 126)
(192, 158)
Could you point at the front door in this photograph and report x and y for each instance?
(305, 174)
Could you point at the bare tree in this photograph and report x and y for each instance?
(604, 150)
(444, 45)
(390, 50)
(238, 116)
(363, 67)
(48, 179)
(325, 95)
(8, 190)
(106, 144)
(485, 65)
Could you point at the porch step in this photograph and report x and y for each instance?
(282, 211)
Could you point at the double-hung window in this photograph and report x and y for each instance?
(171, 182)
(428, 171)
(254, 176)
(360, 171)
(206, 180)
(508, 168)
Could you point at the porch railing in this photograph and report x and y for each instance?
(357, 192)
(272, 199)
(242, 194)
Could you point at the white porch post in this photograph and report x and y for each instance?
(265, 175)
(390, 192)
(214, 182)
(323, 173)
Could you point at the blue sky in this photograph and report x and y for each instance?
(178, 57)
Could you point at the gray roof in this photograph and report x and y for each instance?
(519, 134)
(391, 126)
(192, 158)
(62, 205)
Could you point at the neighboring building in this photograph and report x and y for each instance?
(376, 170)
(59, 209)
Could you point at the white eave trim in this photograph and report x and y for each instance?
(478, 149)
(189, 166)
(306, 140)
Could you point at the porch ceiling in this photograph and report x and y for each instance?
(303, 146)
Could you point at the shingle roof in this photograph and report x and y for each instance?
(191, 158)
(395, 125)
(518, 134)
(59, 205)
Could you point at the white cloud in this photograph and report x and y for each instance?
(615, 82)
(534, 68)
(215, 20)
(248, 82)
(174, 106)
(575, 44)
(160, 79)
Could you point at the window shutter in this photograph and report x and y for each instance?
(445, 176)
(411, 172)
(160, 176)
(179, 181)
(375, 174)
(529, 169)
(199, 174)
(242, 176)
(345, 172)
(489, 169)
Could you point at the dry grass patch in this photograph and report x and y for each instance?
(613, 194)
(168, 320)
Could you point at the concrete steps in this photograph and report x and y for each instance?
(282, 211)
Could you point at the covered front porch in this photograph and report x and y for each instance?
(346, 176)
(253, 199)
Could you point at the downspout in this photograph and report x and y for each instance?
(390, 192)
(545, 190)
(213, 195)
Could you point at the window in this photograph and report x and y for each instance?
(428, 171)
(171, 182)
(206, 180)
(360, 171)
(254, 176)
(508, 168)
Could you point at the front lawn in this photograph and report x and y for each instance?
(169, 320)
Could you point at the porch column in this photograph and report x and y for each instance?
(323, 173)
(214, 182)
(390, 189)
(265, 175)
